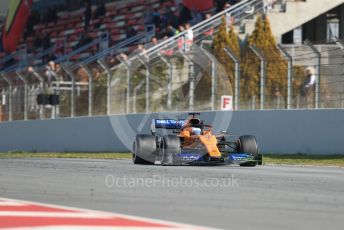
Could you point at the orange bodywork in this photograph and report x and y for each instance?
(210, 142)
(206, 138)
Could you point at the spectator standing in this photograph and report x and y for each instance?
(189, 37)
(59, 73)
(180, 41)
(277, 100)
(148, 16)
(308, 88)
(30, 77)
(156, 19)
(50, 72)
(185, 14)
(100, 11)
(209, 34)
(181, 29)
(87, 14)
(174, 18)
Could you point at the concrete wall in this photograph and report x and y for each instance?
(298, 13)
(295, 131)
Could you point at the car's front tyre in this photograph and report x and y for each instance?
(248, 144)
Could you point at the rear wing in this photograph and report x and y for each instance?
(166, 124)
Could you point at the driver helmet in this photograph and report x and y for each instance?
(196, 131)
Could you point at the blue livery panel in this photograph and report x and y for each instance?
(233, 157)
(190, 156)
(167, 123)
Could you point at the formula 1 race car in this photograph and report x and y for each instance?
(193, 143)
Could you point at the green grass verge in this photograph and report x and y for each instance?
(304, 159)
(114, 156)
(294, 159)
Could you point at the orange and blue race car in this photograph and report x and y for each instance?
(192, 142)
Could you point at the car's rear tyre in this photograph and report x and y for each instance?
(144, 150)
(248, 144)
(260, 159)
(171, 146)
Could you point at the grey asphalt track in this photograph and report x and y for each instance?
(267, 197)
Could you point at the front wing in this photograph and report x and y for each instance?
(199, 157)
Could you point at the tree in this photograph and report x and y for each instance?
(226, 39)
(276, 66)
(249, 83)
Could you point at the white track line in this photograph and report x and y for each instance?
(54, 214)
(67, 227)
(10, 203)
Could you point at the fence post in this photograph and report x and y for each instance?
(170, 75)
(90, 89)
(253, 102)
(262, 74)
(56, 107)
(213, 76)
(341, 46)
(192, 81)
(72, 100)
(135, 94)
(228, 20)
(108, 90)
(146, 65)
(237, 77)
(41, 80)
(10, 89)
(317, 83)
(127, 66)
(22, 78)
(290, 75)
